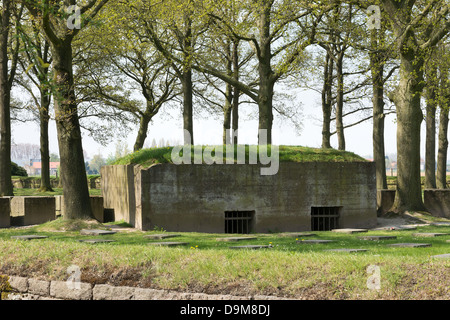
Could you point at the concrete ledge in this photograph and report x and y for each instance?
(33, 210)
(19, 284)
(5, 211)
(60, 289)
(39, 287)
(34, 289)
(437, 202)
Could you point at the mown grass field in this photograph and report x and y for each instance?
(287, 269)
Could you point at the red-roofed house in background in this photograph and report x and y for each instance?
(34, 169)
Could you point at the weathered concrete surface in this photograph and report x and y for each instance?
(410, 245)
(28, 237)
(5, 212)
(437, 202)
(96, 232)
(33, 289)
(377, 238)
(118, 190)
(195, 197)
(39, 287)
(385, 200)
(33, 210)
(60, 289)
(349, 230)
(161, 236)
(96, 204)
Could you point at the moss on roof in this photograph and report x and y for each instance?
(148, 157)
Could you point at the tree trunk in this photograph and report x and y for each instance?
(409, 118)
(188, 126)
(142, 133)
(6, 187)
(76, 193)
(236, 94)
(228, 98)
(377, 70)
(327, 101)
(441, 181)
(266, 81)
(44, 145)
(340, 102)
(227, 115)
(430, 140)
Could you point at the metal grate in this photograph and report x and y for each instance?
(238, 221)
(324, 218)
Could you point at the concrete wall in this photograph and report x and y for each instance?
(195, 197)
(35, 289)
(96, 203)
(437, 202)
(33, 210)
(5, 211)
(118, 191)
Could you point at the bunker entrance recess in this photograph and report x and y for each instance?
(325, 218)
(239, 221)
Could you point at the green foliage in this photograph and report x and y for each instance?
(5, 287)
(17, 170)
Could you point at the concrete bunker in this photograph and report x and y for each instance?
(302, 196)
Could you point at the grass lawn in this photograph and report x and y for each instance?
(55, 192)
(288, 268)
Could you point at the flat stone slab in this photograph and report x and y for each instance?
(169, 244)
(396, 228)
(314, 241)
(96, 241)
(231, 239)
(349, 230)
(410, 245)
(161, 236)
(297, 234)
(428, 234)
(442, 256)
(254, 247)
(28, 237)
(444, 224)
(347, 250)
(377, 238)
(96, 232)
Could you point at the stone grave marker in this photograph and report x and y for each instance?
(349, 230)
(314, 241)
(347, 250)
(410, 245)
(161, 236)
(428, 234)
(168, 244)
(442, 256)
(28, 237)
(96, 232)
(441, 224)
(396, 228)
(296, 234)
(254, 247)
(96, 241)
(377, 238)
(234, 239)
